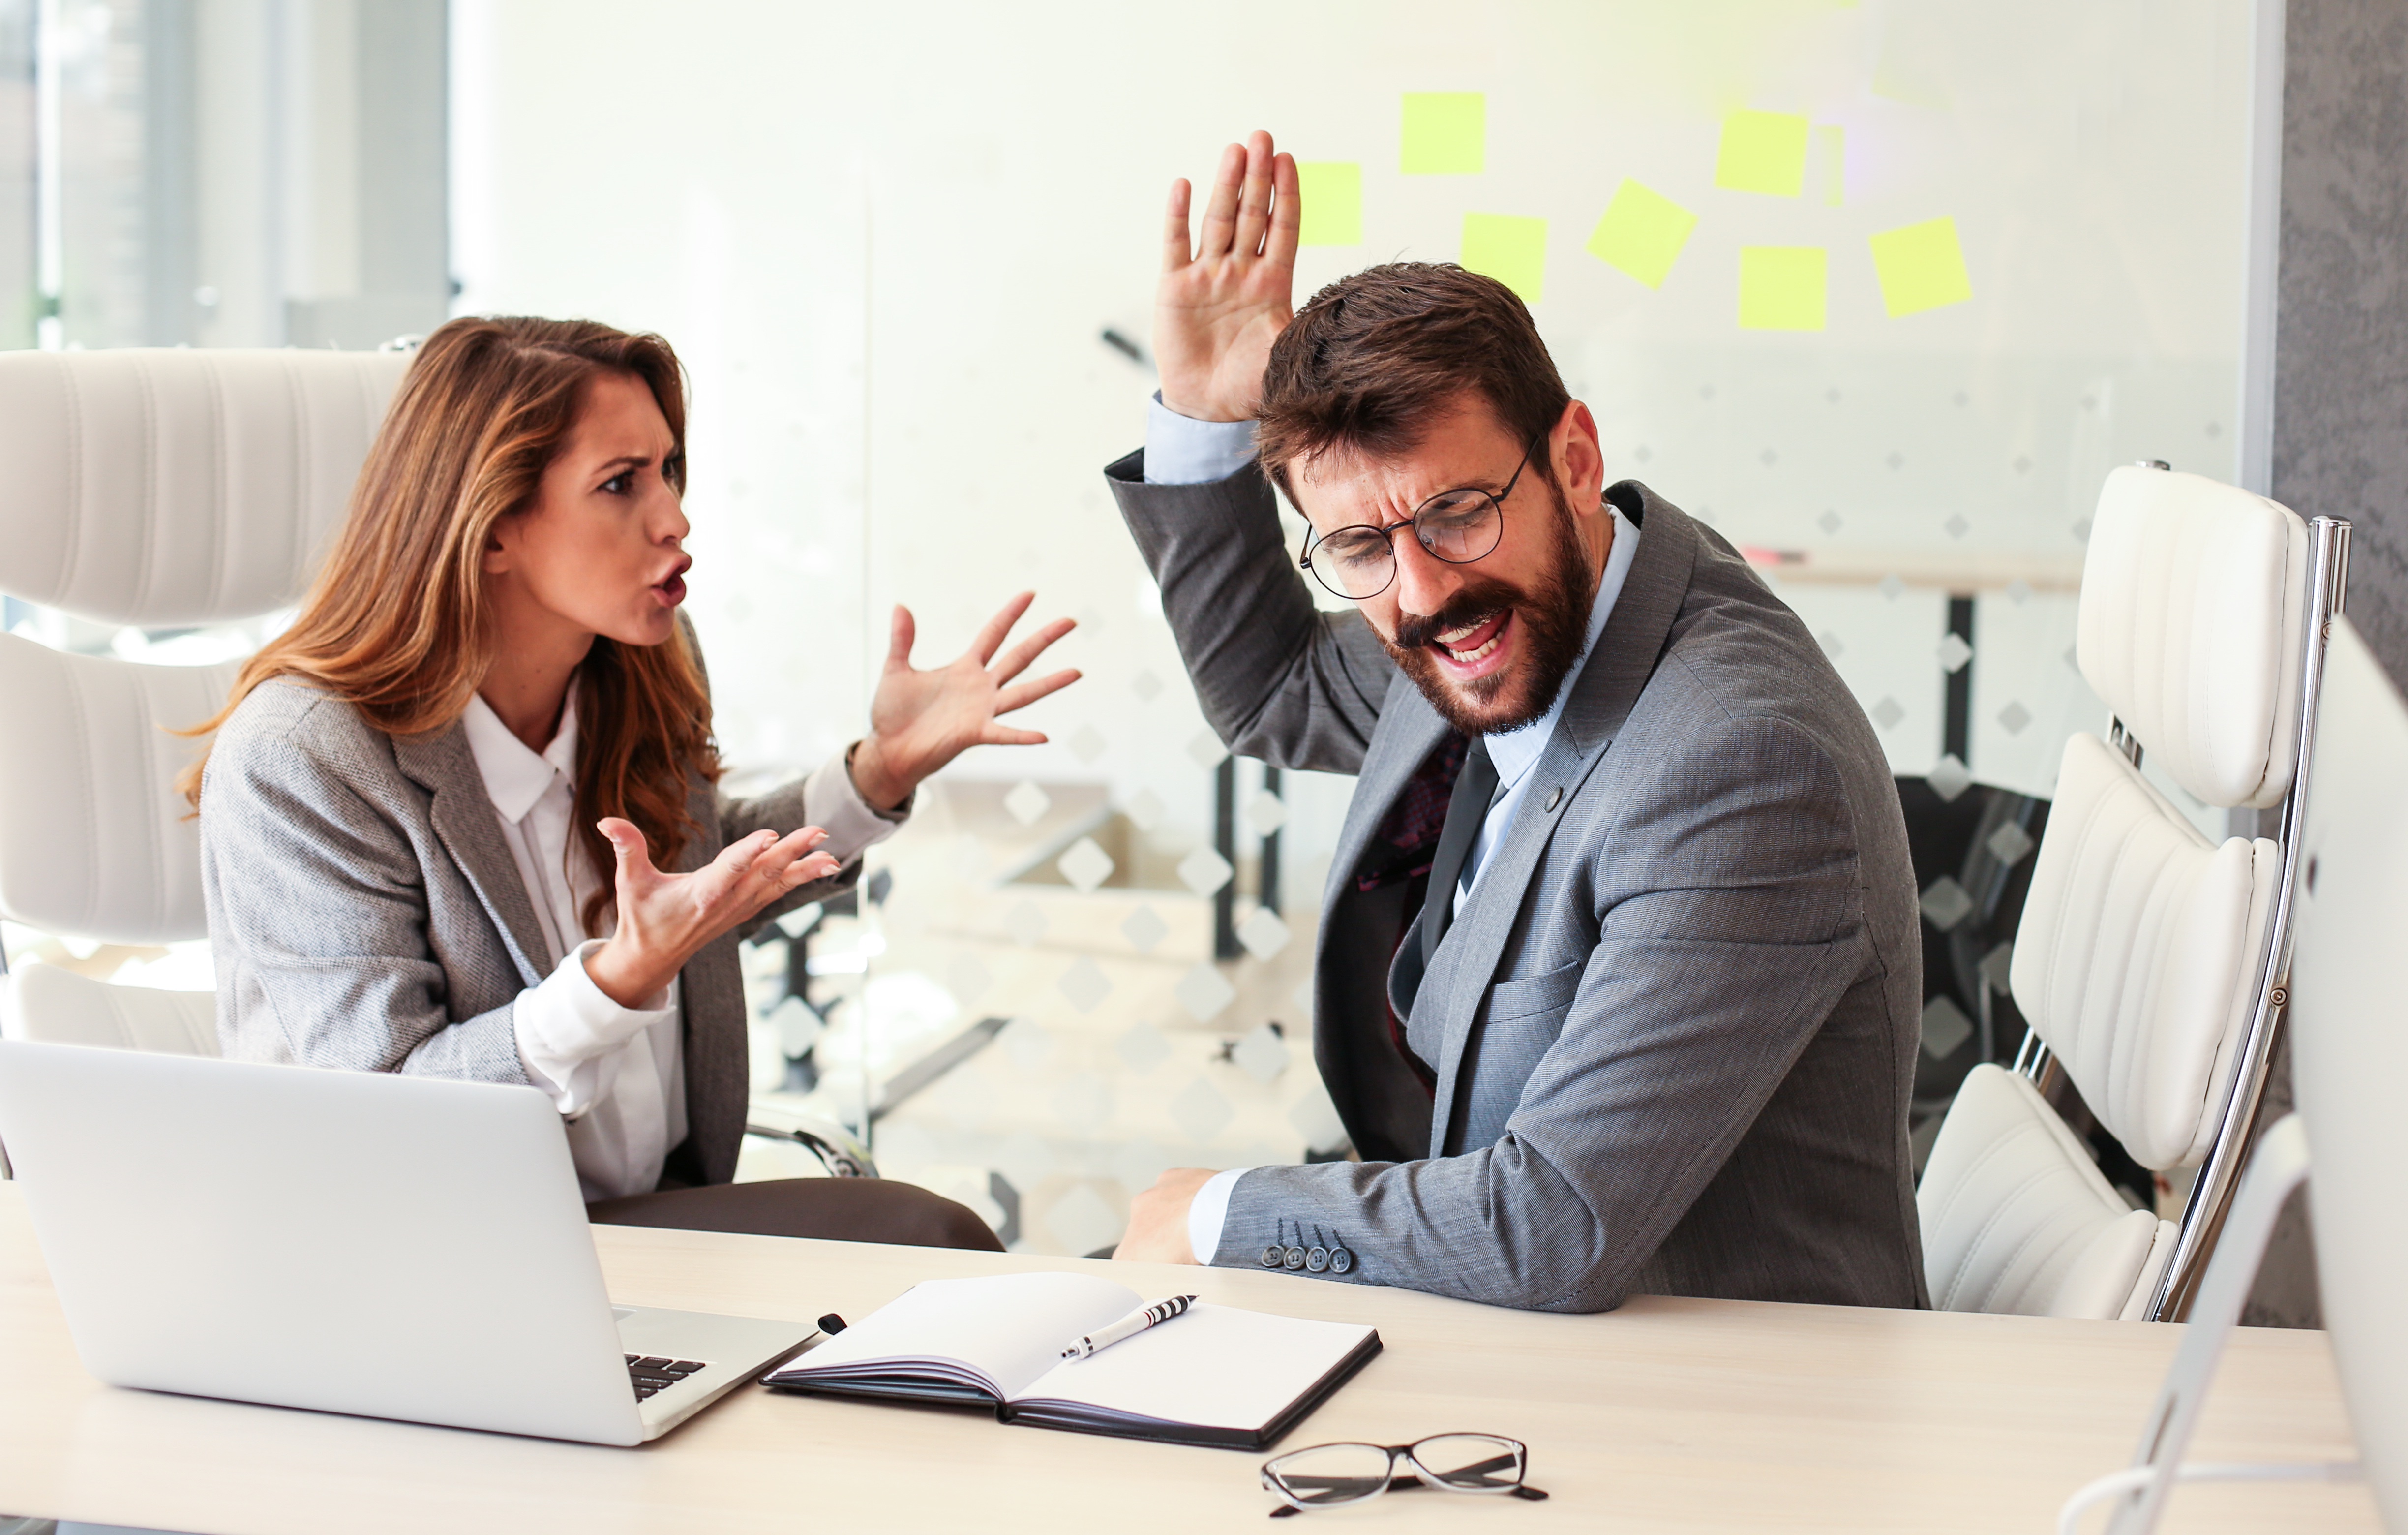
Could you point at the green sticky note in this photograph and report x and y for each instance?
(1921, 267)
(1511, 249)
(1763, 152)
(1446, 132)
(1330, 192)
(1642, 233)
(1781, 287)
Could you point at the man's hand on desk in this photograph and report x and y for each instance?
(1157, 1228)
(1221, 303)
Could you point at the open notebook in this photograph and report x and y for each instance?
(1216, 1376)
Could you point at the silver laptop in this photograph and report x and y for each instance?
(351, 1242)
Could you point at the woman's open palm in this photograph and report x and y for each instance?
(921, 720)
(665, 919)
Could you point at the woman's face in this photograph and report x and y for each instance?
(598, 548)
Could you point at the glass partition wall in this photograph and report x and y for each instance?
(1880, 292)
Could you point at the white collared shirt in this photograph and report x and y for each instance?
(616, 1074)
(1183, 451)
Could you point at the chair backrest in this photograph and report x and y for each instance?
(170, 487)
(2138, 955)
(2148, 956)
(158, 488)
(55, 1006)
(2192, 626)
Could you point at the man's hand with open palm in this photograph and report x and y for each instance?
(1224, 297)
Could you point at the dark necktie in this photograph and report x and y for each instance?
(1475, 788)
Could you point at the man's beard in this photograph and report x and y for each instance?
(1553, 618)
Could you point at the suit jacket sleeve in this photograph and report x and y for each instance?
(1703, 989)
(1278, 678)
(322, 937)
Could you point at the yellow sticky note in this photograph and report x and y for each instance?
(1921, 267)
(1762, 152)
(1511, 249)
(1330, 192)
(1831, 153)
(1781, 287)
(1642, 233)
(1446, 132)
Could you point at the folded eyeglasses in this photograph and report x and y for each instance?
(1333, 1475)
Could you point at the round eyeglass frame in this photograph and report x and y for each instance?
(1423, 1475)
(1496, 510)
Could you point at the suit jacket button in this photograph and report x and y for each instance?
(1295, 1257)
(1555, 797)
(1316, 1259)
(1341, 1260)
(1273, 1257)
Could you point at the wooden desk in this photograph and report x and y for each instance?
(1667, 1414)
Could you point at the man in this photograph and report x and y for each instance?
(1618, 984)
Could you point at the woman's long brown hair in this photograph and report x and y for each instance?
(396, 623)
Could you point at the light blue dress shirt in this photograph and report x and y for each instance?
(1183, 451)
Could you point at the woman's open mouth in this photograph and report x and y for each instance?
(672, 591)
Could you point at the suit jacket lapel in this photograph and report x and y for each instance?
(471, 833)
(1602, 697)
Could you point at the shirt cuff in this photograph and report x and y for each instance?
(832, 802)
(1183, 451)
(1210, 1211)
(569, 1032)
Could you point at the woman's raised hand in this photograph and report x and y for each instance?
(665, 919)
(1223, 299)
(919, 721)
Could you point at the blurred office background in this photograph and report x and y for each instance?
(1879, 290)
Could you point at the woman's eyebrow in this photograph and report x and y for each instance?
(624, 461)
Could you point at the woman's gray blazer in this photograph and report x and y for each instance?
(365, 912)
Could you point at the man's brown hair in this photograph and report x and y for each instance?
(1364, 367)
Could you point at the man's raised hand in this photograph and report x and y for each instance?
(1225, 296)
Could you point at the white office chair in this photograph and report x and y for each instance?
(152, 488)
(2148, 962)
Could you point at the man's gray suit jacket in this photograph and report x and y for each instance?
(366, 914)
(1673, 1028)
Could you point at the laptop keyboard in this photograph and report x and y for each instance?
(652, 1376)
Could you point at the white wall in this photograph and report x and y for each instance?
(886, 238)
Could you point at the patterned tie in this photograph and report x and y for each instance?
(1475, 789)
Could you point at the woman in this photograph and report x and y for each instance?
(461, 818)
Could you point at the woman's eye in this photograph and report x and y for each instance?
(618, 485)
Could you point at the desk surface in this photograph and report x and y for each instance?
(1688, 1415)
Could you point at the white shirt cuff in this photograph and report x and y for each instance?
(1183, 451)
(1210, 1211)
(833, 803)
(570, 1033)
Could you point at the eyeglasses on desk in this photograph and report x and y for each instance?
(1334, 1475)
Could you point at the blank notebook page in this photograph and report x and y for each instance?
(1011, 1327)
(1214, 1367)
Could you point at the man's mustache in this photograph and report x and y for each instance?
(1467, 606)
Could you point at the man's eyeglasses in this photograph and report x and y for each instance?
(1333, 1475)
(1457, 526)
